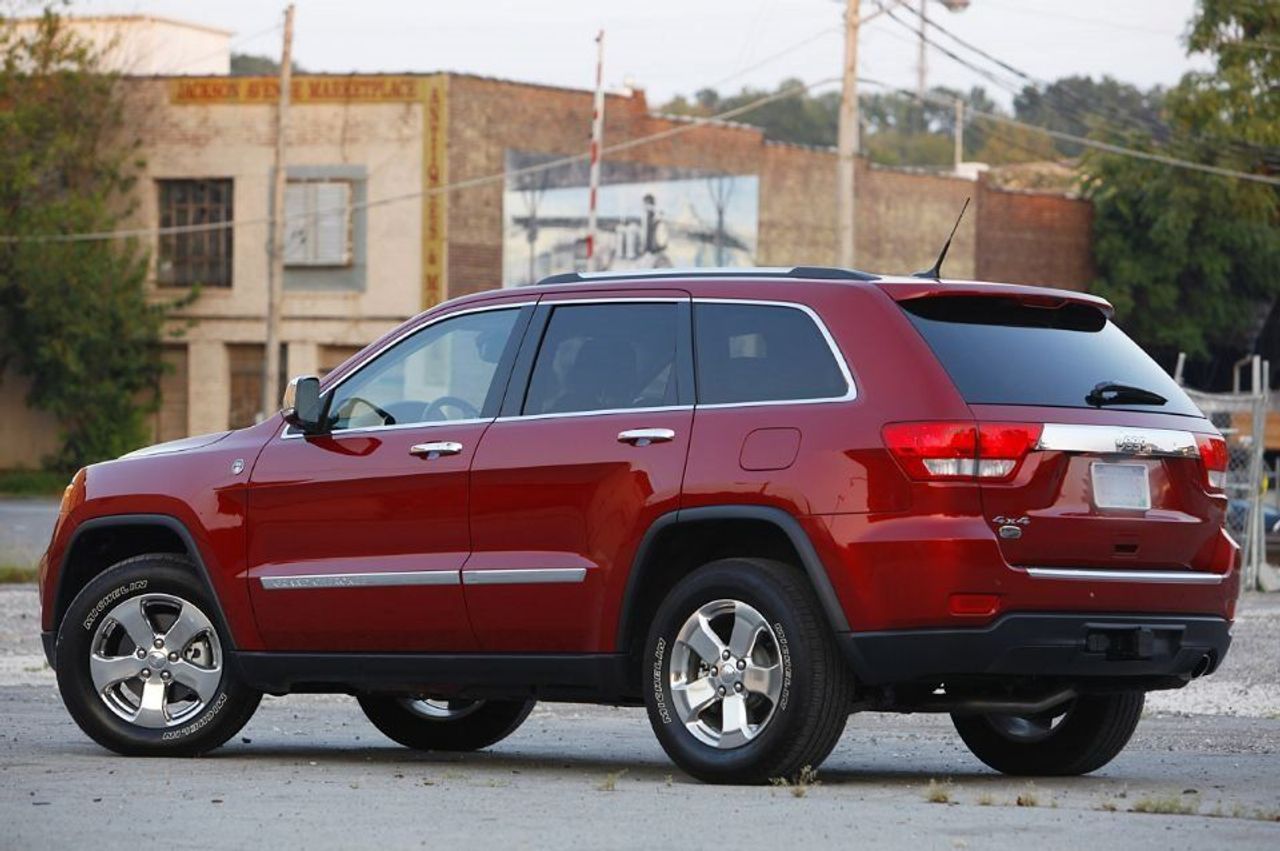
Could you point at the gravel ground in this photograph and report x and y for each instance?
(310, 771)
(25, 527)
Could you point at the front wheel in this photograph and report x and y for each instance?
(142, 667)
(742, 678)
(428, 724)
(1078, 738)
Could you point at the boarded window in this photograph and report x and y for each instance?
(201, 255)
(332, 357)
(245, 360)
(317, 223)
(171, 415)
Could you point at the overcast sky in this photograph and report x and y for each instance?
(679, 46)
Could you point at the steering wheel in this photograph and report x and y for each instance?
(345, 411)
(436, 408)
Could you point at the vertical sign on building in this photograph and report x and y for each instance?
(435, 127)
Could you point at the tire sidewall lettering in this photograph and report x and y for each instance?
(109, 598)
(197, 725)
(784, 651)
(659, 689)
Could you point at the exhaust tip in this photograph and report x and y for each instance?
(1203, 666)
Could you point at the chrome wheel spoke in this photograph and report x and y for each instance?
(704, 641)
(746, 629)
(191, 623)
(696, 696)
(151, 711)
(735, 729)
(759, 679)
(106, 671)
(134, 621)
(203, 681)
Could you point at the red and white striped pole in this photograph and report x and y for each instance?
(597, 136)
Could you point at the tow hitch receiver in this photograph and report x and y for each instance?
(1128, 643)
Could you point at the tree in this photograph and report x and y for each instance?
(74, 316)
(1190, 259)
(254, 65)
(1079, 105)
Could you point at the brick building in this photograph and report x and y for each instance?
(373, 238)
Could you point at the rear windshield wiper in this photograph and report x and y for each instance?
(1111, 393)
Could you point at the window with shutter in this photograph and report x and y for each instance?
(317, 223)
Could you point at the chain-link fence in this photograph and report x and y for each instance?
(1242, 417)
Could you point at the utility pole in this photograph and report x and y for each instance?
(275, 280)
(959, 133)
(847, 140)
(597, 137)
(922, 68)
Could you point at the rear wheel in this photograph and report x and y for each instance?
(743, 681)
(1080, 737)
(142, 667)
(430, 724)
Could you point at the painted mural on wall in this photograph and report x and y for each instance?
(648, 217)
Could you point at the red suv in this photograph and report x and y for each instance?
(754, 501)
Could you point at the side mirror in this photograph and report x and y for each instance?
(301, 405)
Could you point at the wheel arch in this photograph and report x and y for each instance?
(679, 541)
(101, 542)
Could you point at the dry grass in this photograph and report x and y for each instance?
(13, 574)
(1028, 797)
(938, 793)
(986, 799)
(610, 782)
(1167, 805)
(799, 786)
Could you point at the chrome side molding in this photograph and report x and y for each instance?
(361, 580)
(524, 576)
(1118, 440)
(1157, 577)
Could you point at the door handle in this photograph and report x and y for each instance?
(435, 449)
(645, 436)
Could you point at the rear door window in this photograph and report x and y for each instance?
(1000, 351)
(605, 357)
(762, 353)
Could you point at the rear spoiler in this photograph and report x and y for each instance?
(911, 289)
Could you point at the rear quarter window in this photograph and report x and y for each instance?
(762, 353)
(1000, 351)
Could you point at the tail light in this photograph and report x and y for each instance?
(961, 451)
(1214, 458)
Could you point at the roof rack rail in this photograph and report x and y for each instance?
(823, 273)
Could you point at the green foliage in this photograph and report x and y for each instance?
(254, 65)
(32, 483)
(803, 119)
(1079, 105)
(1191, 259)
(74, 316)
(896, 129)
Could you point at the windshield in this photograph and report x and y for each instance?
(1000, 351)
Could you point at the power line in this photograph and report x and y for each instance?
(1096, 144)
(1084, 110)
(686, 125)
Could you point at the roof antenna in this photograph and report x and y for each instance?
(936, 271)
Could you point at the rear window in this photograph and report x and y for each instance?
(762, 353)
(1000, 351)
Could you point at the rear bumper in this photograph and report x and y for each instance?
(1150, 651)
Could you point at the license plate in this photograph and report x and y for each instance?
(1121, 486)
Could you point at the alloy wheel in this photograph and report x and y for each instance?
(725, 673)
(156, 660)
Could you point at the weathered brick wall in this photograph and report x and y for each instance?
(903, 216)
(1034, 238)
